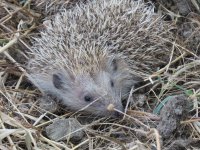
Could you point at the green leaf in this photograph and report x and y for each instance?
(160, 106)
(189, 92)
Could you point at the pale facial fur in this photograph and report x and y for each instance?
(93, 92)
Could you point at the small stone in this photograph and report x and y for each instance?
(63, 129)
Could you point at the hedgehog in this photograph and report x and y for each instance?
(48, 7)
(91, 55)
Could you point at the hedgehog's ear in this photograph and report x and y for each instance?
(114, 64)
(61, 81)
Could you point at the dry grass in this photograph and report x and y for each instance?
(22, 121)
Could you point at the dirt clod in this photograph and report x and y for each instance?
(63, 129)
(171, 115)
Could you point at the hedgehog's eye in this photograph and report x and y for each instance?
(111, 83)
(88, 98)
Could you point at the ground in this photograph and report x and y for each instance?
(164, 113)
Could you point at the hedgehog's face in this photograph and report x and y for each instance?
(94, 92)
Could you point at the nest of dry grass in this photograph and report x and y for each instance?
(23, 122)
